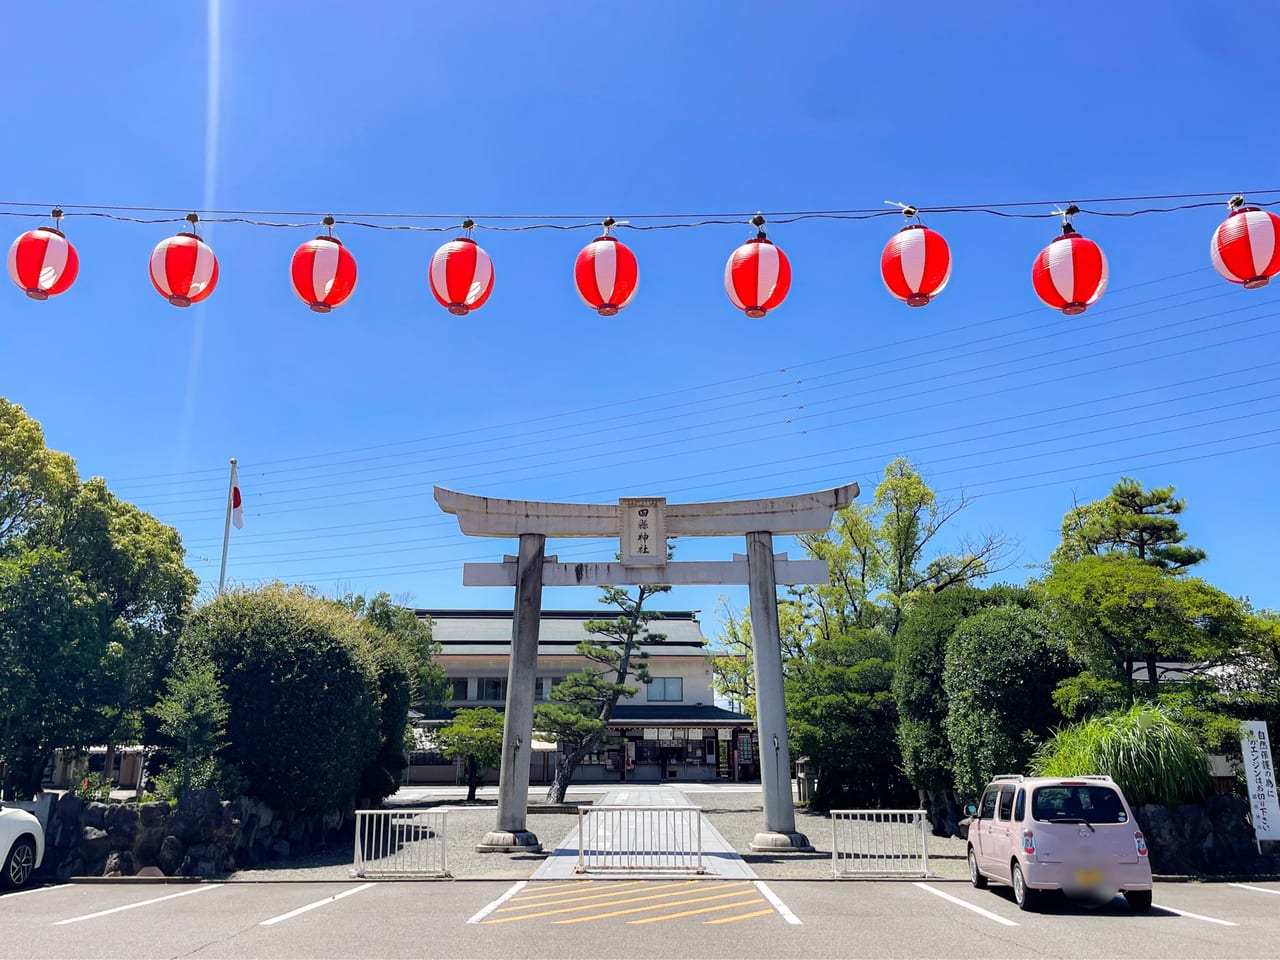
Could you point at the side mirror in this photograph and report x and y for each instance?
(970, 809)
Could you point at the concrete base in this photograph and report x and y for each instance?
(509, 841)
(770, 842)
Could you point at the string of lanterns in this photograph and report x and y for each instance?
(1069, 275)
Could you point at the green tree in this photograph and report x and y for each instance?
(305, 717)
(474, 736)
(1132, 521)
(410, 634)
(1002, 665)
(192, 716)
(55, 634)
(1122, 611)
(841, 717)
(36, 483)
(582, 704)
(883, 557)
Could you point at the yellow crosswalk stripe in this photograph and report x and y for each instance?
(741, 916)
(659, 906)
(692, 913)
(590, 906)
(568, 896)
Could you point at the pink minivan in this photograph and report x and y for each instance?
(1073, 834)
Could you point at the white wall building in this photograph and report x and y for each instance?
(671, 729)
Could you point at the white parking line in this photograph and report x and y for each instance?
(141, 903)
(317, 903)
(1245, 886)
(499, 902)
(962, 903)
(23, 893)
(781, 907)
(1195, 916)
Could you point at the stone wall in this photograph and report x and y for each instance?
(1210, 839)
(201, 837)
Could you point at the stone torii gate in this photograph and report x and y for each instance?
(643, 525)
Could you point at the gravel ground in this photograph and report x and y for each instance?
(738, 816)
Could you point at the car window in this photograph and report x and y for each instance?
(1094, 803)
(1006, 801)
(988, 808)
(1020, 806)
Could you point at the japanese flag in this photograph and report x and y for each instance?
(237, 512)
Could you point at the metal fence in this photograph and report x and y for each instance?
(400, 843)
(634, 838)
(877, 843)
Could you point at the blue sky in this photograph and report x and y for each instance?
(343, 422)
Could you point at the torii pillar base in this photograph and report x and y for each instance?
(509, 841)
(770, 842)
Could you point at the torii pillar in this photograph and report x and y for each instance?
(643, 525)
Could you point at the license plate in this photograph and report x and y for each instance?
(1088, 878)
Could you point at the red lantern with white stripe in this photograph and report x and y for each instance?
(42, 262)
(606, 274)
(1246, 246)
(184, 269)
(323, 272)
(462, 274)
(758, 274)
(1071, 273)
(915, 264)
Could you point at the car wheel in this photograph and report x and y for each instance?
(20, 864)
(1023, 895)
(975, 875)
(1139, 900)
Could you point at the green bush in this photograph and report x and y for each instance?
(301, 689)
(1001, 668)
(1144, 749)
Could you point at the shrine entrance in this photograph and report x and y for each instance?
(643, 525)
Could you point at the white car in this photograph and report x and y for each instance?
(21, 845)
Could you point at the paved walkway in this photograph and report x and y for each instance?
(718, 857)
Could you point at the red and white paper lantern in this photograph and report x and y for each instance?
(1070, 274)
(1246, 247)
(43, 263)
(915, 264)
(461, 276)
(323, 272)
(757, 277)
(184, 269)
(606, 275)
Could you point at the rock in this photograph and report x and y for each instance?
(147, 848)
(93, 814)
(279, 850)
(172, 853)
(122, 821)
(67, 821)
(153, 814)
(150, 872)
(333, 820)
(120, 864)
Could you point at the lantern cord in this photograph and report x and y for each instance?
(509, 223)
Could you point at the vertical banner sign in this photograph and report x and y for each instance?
(1260, 775)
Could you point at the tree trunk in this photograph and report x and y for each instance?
(109, 763)
(1153, 677)
(564, 773)
(473, 778)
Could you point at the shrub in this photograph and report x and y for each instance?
(1143, 749)
(301, 690)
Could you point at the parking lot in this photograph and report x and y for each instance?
(670, 918)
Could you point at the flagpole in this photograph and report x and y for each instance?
(226, 526)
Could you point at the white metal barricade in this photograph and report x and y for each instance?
(400, 843)
(634, 838)
(879, 843)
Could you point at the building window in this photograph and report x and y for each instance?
(493, 688)
(666, 690)
(458, 688)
